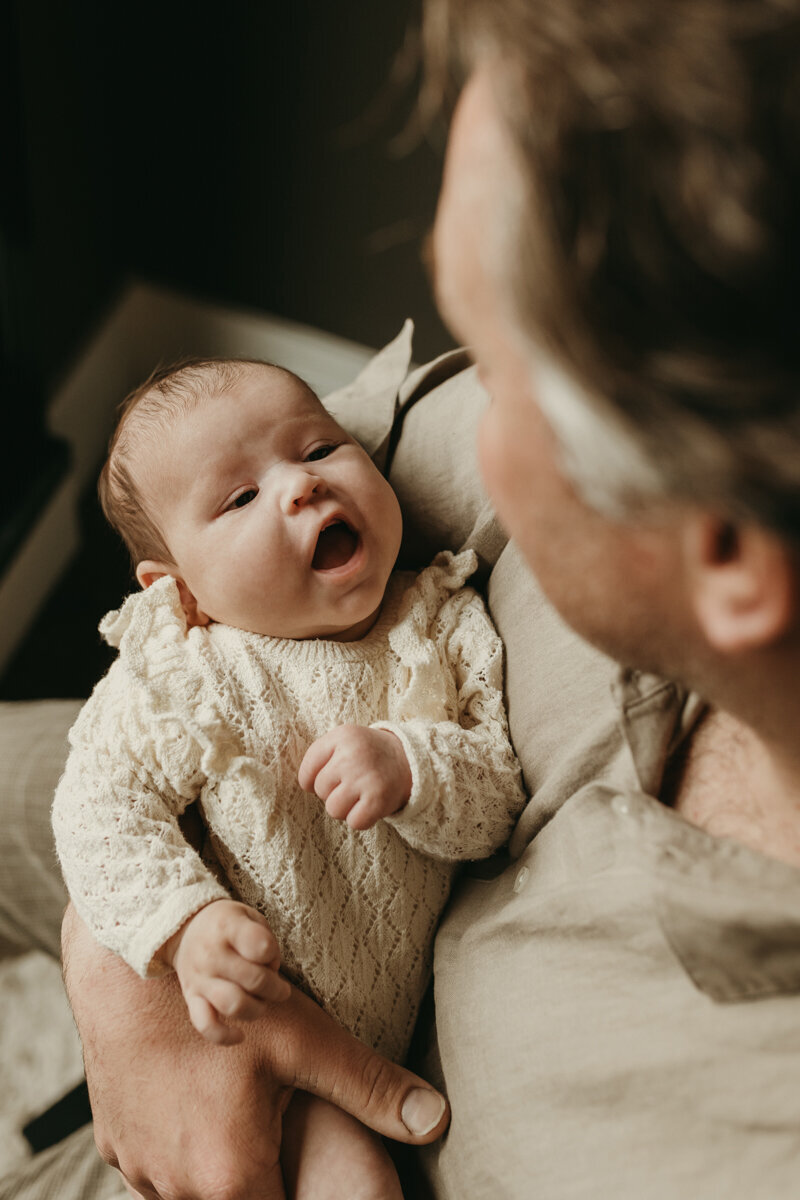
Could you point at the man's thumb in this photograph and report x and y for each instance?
(387, 1098)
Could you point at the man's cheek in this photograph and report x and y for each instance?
(494, 459)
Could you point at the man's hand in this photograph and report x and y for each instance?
(361, 774)
(226, 959)
(180, 1117)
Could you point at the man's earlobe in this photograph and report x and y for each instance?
(149, 571)
(743, 584)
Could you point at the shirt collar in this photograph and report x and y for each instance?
(731, 915)
(656, 716)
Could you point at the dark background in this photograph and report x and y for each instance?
(257, 154)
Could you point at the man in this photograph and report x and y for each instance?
(633, 322)
(618, 1010)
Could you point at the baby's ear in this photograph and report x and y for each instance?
(148, 572)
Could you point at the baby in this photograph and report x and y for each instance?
(338, 726)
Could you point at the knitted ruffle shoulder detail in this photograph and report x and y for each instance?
(155, 612)
(162, 654)
(447, 574)
(413, 638)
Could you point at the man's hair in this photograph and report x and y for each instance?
(168, 393)
(653, 246)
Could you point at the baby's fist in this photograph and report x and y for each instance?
(226, 959)
(361, 774)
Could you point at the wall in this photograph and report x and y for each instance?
(246, 154)
(243, 152)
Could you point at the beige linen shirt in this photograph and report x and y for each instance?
(618, 1010)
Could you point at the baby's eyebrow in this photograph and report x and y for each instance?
(224, 467)
(321, 424)
(303, 420)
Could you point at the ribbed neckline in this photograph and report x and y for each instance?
(326, 649)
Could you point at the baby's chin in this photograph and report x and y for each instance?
(354, 632)
(331, 630)
(335, 632)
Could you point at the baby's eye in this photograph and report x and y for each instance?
(321, 452)
(243, 498)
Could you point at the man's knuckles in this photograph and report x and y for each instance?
(105, 1147)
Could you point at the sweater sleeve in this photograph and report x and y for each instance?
(132, 770)
(466, 782)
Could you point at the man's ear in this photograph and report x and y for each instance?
(149, 571)
(743, 584)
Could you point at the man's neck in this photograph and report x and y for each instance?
(732, 783)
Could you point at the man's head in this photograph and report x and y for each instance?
(615, 240)
(231, 476)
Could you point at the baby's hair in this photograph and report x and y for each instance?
(169, 392)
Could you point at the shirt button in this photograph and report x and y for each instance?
(520, 881)
(621, 806)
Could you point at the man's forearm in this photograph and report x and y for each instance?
(156, 1085)
(98, 982)
(179, 1115)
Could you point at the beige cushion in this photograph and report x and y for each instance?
(424, 425)
(33, 746)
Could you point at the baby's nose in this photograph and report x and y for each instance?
(301, 488)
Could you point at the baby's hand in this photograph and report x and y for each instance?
(361, 774)
(226, 959)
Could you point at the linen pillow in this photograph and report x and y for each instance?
(421, 426)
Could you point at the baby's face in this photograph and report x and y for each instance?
(278, 522)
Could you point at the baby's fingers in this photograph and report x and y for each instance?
(364, 815)
(262, 982)
(340, 801)
(234, 1002)
(251, 937)
(206, 1021)
(314, 759)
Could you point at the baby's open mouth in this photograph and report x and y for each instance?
(336, 545)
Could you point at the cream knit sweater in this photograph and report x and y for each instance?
(220, 717)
